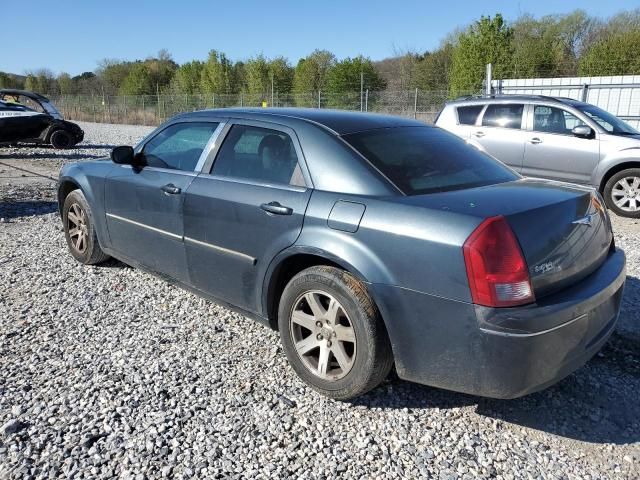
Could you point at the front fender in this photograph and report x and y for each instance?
(89, 177)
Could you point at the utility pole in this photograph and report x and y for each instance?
(487, 81)
(361, 88)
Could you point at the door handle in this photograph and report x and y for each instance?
(535, 140)
(276, 208)
(171, 189)
(479, 134)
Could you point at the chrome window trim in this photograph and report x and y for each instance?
(302, 161)
(209, 147)
(248, 181)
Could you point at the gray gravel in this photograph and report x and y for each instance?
(109, 372)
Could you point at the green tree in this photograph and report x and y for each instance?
(217, 74)
(188, 78)
(485, 41)
(281, 73)
(112, 74)
(139, 81)
(8, 80)
(345, 76)
(618, 54)
(41, 81)
(257, 78)
(311, 72)
(431, 70)
(65, 84)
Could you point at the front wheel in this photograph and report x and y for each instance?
(79, 230)
(61, 139)
(332, 333)
(622, 193)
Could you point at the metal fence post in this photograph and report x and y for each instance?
(415, 105)
(366, 101)
(319, 97)
(488, 80)
(585, 92)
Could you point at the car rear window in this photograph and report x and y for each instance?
(469, 114)
(422, 160)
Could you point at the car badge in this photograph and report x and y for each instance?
(586, 220)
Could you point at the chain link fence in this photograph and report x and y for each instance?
(154, 109)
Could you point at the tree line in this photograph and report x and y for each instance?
(550, 46)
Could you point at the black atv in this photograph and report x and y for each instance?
(30, 117)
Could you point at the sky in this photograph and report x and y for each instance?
(75, 35)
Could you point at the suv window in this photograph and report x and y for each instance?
(178, 146)
(503, 115)
(469, 114)
(259, 154)
(554, 120)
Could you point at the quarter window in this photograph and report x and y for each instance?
(178, 146)
(259, 154)
(503, 115)
(554, 120)
(468, 115)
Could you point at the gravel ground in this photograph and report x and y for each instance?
(110, 372)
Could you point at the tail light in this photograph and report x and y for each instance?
(496, 269)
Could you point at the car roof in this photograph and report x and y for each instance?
(471, 99)
(340, 122)
(26, 93)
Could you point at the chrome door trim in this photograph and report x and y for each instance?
(142, 225)
(228, 251)
(244, 256)
(211, 145)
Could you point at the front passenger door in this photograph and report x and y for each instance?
(144, 205)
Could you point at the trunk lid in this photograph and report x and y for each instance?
(563, 230)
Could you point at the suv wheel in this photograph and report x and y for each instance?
(622, 193)
(332, 333)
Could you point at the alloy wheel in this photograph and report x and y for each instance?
(626, 194)
(323, 335)
(77, 227)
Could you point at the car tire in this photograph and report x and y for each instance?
(79, 230)
(622, 193)
(61, 139)
(352, 353)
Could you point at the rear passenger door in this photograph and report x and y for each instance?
(467, 116)
(244, 209)
(500, 133)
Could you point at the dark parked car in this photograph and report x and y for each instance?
(367, 240)
(31, 117)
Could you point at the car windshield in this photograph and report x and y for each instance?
(606, 120)
(422, 160)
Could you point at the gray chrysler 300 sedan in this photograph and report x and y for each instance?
(367, 240)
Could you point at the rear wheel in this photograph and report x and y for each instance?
(622, 193)
(332, 333)
(79, 230)
(61, 139)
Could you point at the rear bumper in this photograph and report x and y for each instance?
(506, 352)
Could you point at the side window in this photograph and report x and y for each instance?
(179, 146)
(469, 114)
(503, 115)
(259, 154)
(554, 120)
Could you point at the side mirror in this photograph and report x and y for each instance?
(583, 131)
(123, 155)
